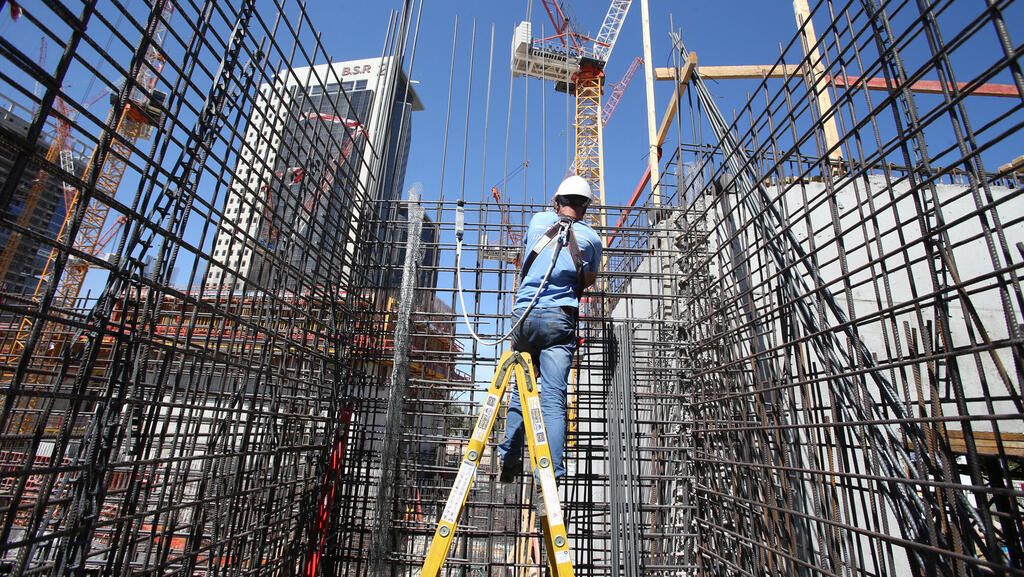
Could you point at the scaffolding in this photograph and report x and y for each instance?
(806, 359)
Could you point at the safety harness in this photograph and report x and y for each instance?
(563, 226)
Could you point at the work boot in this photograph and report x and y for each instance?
(509, 471)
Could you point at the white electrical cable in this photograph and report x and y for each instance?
(460, 223)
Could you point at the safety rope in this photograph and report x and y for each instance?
(460, 228)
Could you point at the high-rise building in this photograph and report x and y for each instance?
(320, 143)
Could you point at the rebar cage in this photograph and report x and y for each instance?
(806, 359)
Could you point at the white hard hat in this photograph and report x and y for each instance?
(575, 186)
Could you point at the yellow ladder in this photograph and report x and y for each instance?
(556, 540)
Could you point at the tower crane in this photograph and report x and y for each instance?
(618, 90)
(138, 117)
(353, 136)
(354, 131)
(136, 120)
(509, 235)
(506, 248)
(574, 61)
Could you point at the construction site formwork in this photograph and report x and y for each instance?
(805, 359)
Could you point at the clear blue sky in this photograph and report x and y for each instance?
(722, 33)
(761, 25)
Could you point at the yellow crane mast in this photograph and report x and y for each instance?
(138, 117)
(136, 120)
(576, 62)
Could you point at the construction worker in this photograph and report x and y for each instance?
(548, 333)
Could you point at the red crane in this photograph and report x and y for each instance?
(618, 90)
(136, 119)
(294, 175)
(509, 235)
(574, 61)
(506, 247)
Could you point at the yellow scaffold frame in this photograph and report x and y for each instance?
(556, 540)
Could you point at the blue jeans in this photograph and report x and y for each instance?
(549, 336)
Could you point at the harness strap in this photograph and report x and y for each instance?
(574, 252)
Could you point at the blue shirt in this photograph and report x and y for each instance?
(560, 289)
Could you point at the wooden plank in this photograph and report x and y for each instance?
(817, 80)
(652, 161)
(757, 71)
(1015, 165)
(670, 113)
(927, 86)
(985, 442)
(735, 72)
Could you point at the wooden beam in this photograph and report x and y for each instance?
(652, 161)
(816, 79)
(734, 72)
(1015, 165)
(758, 71)
(685, 74)
(926, 86)
(985, 443)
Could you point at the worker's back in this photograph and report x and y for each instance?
(564, 282)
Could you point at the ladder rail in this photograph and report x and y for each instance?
(556, 539)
